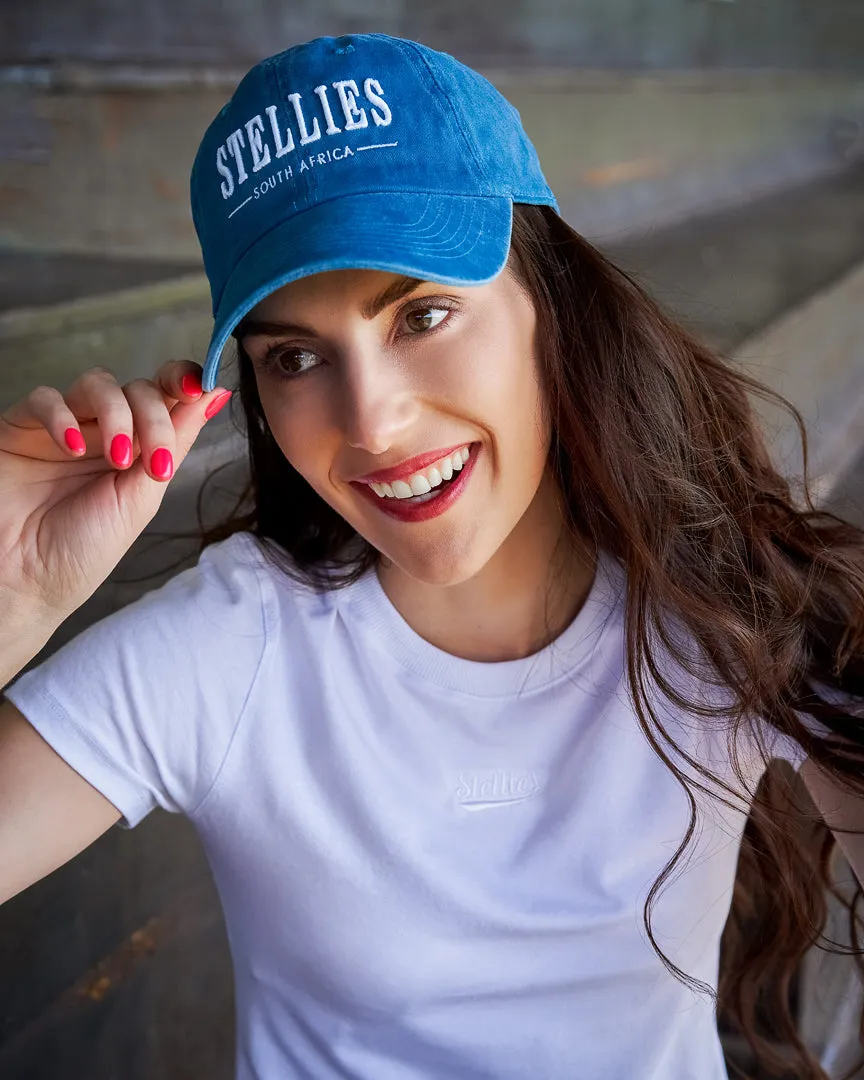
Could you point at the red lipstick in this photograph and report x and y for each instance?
(407, 468)
(406, 510)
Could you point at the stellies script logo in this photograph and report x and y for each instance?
(260, 143)
(480, 788)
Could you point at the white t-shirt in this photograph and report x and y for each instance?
(429, 867)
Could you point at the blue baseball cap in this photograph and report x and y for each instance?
(365, 151)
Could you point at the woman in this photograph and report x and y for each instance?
(518, 608)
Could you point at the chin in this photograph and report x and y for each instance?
(440, 565)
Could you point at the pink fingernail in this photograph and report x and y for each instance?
(121, 450)
(216, 404)
(74, 440)
(191, 385)
(162, 464)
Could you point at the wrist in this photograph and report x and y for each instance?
(22, 636)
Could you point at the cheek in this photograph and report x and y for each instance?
(302, 435)
(522, 428)
(495, 380)
(490, 365)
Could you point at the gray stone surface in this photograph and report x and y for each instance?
(117, 964)
(39, 279)
(104, 170)
(617, 33)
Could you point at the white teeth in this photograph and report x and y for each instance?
(422, 483)
(383, 491)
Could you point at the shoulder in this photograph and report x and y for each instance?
(251, 585)
(708, 715)
(144, 703)
(237, 575)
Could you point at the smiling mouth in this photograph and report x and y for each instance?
(423, 485)
(427, 493)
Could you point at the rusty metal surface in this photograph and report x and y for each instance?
(117, 965)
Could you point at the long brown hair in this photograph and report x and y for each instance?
(661, 462)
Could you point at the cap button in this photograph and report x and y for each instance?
(343, 45)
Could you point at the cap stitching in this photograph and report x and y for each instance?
(237, 262)
(351, 194)
(248, 308)
(432, 75)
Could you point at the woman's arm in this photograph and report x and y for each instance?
(839, 810)
(23, 634)
(48, 812)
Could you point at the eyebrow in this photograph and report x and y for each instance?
(395, 291)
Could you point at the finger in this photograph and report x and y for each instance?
(180, 380)
(96, 395)
(45, 407)
(152, 423)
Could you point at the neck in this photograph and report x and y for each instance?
(525, 596)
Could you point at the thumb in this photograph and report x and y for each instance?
(189, 419)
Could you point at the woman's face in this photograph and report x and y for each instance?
(359, 373)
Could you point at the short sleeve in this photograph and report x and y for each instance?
(143, 704)
(786, 748)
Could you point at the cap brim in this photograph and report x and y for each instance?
(451, 239)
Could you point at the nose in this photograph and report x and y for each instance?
(378, 402)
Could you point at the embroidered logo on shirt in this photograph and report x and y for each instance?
(479, 788)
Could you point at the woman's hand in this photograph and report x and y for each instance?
(67, 517)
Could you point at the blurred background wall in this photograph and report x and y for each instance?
(797, 35)
(643, 111)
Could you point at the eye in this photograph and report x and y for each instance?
(426, 318)
(288, 362)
